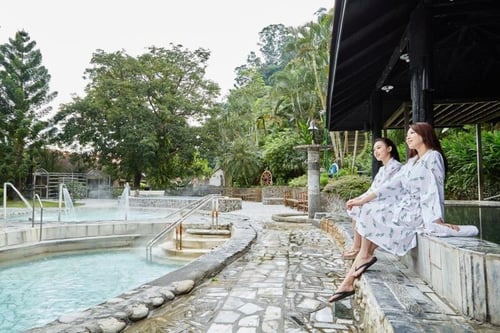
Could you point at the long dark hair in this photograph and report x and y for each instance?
(389, 143)
(429, 138)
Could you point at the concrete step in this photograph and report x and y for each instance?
(197, 242)
(207, 233)
(184, 253)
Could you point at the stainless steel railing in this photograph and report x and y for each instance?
(36, 196)
(183, 213)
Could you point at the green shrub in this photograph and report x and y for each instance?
(77, 190)
(348, 186)
(300, 181)
(323, 179)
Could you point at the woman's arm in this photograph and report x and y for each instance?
(360, 201)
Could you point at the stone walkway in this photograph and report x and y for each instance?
(280, 285)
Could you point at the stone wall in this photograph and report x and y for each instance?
(225, 204)
(463, 270)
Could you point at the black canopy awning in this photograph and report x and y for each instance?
(370, 57)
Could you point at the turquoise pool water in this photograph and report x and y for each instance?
(36, 292)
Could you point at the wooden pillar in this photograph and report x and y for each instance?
(479, 163)
(376, 123)
(420, 51)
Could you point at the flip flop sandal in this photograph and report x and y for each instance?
(364, 267)
(350, 254)
(341, 295)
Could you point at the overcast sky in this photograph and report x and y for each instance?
(67, 32)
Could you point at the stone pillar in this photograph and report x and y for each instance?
(313, 189)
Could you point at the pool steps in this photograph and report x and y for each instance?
(196, 242)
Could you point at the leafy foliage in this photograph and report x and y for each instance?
(77, 190)
(282, 158)
(243, 163)
(135, 116)
(24, 96)
(348, 186)
(460, 150)
(302, 181)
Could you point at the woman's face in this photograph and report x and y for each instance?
(381, 151)
(413, 139)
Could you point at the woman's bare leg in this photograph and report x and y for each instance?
(354, 249)
(364, 257)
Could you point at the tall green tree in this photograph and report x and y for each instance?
(242, 163)
(24, 101)
(282, 158)
(136, 115)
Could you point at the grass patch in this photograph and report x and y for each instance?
(46, 204)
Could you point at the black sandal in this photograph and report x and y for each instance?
(341, 295)
(364, 267)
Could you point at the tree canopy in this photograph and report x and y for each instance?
(136, 114)
(24, 100)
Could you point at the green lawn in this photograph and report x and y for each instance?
(46, 204)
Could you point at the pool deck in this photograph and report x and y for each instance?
(283, 282)
(276, 277)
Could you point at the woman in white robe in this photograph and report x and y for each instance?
(386, 152)
(413, 201)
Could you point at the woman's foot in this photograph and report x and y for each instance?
(363, 267)
(338, 295)
(350, 254)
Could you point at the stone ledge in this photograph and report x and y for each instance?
(272, 201)
(462, 270)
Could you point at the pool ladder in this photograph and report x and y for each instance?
(36, 196)
(177, 224)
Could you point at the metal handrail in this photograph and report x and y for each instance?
(192, 208)
(36, 196)
(28, 206)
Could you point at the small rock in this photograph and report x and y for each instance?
(181, 287)
(157, 301)
(111, 325)
(139, 311)
(167, 293)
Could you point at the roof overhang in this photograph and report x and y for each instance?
(368, 56)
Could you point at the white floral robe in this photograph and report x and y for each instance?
(384, 175)
(411, 202)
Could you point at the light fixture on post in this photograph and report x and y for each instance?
(388, 87)
(405, 57)
(312, 129)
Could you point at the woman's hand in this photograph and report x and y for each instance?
(451, 226)
(360, 201)
(353, 202)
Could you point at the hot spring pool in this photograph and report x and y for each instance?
(483, 217)
(93, 214)
(36, 292)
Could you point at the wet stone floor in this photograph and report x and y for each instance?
(280, 285)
